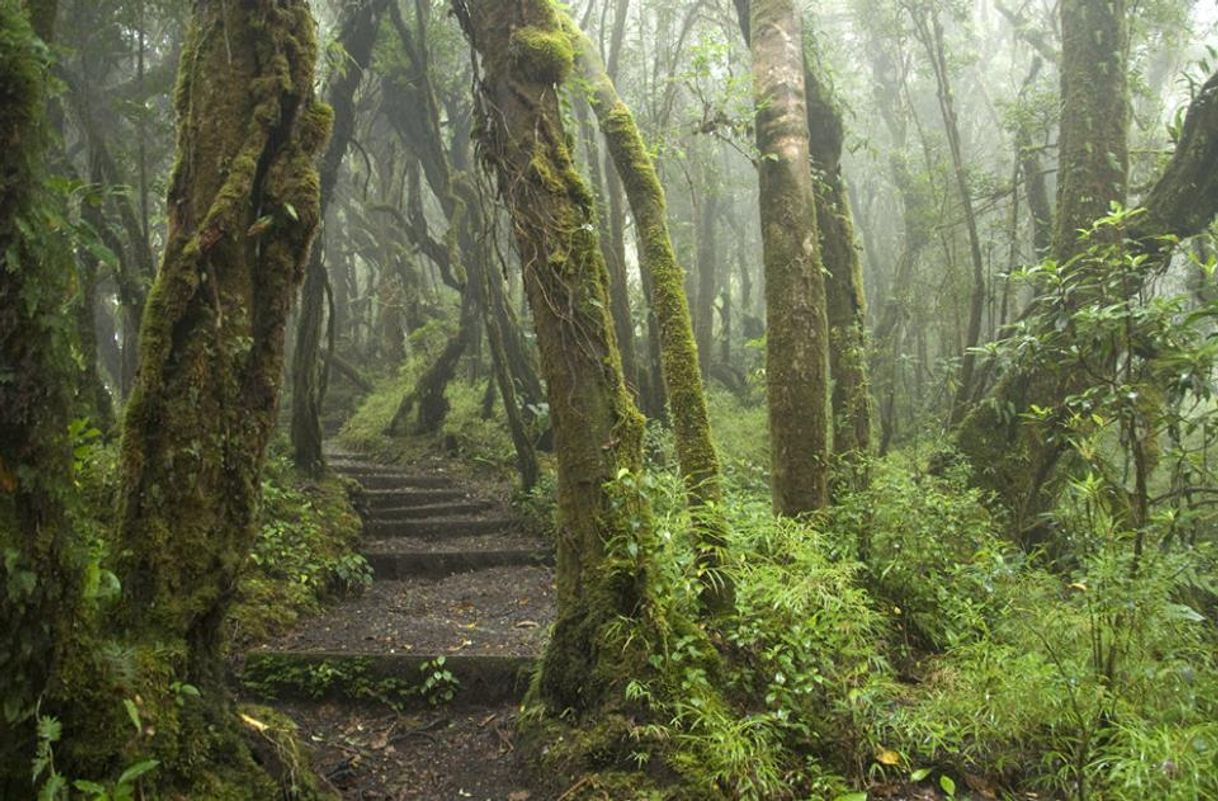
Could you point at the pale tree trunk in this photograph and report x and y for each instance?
(797, 330)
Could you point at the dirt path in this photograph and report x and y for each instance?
(410, 692)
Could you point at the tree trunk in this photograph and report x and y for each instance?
(615, 256)
(797, 339)
(357, 37)
(1012, 457)
(243, 209)
(598, 431)
(678, 353)
(844, 284)
(708, 278)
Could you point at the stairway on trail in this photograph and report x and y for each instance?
(461, 594)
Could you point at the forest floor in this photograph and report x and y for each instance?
(410, 691)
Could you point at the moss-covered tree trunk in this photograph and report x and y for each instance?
(243, 209)
(39, 584)
(678, 351)
(357, 37)
(1012, 456)
(797, 329)
(847, 310)
(525, 55)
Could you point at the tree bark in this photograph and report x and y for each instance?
(678, 352)
(847, 309)
(598, 431)
(243, 209)
(797, 337)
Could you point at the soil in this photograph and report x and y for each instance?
(503, 610)
(441, 755)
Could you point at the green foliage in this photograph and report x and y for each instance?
(466, 432)
(740, 434)
(932, 552)
(53, 786)
(357, 679)
(304, 553)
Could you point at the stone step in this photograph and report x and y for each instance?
(396, 480)
(404, 498)
(499, 611)
(438, 527)
(426, 510)
(403, 680)
(396, 565)
(473, 543)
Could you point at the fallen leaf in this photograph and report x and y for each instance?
(527, 624)
(520, 795)
(886, 757)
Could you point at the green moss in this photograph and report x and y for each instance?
(542, 55)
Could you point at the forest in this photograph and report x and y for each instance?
(608, 400)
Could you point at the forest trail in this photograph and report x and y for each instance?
(410, 691)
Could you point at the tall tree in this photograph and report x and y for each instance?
(243, 209)
(598, 431)
(797, 329)
(1012, 456)
(847, 309)
(679, 353)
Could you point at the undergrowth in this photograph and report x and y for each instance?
(304, 555)
(900, 639)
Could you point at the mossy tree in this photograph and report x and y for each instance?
(679, 360)
(1013, 457)
(525, 55)
(39, 577)
(851, 397)
(243, 209)
(797, 329)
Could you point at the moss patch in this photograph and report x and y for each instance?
(543, 55)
